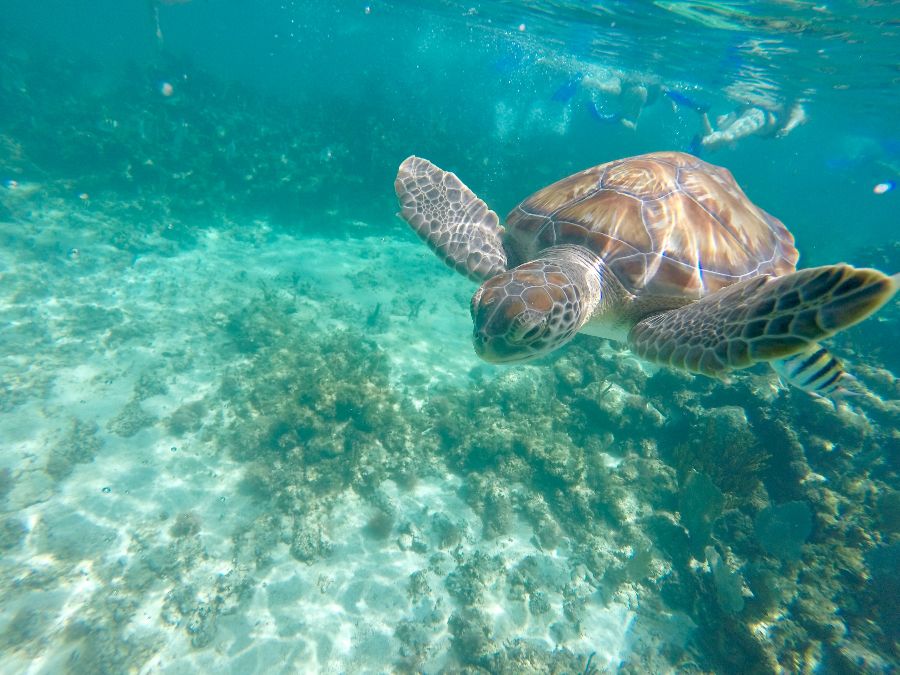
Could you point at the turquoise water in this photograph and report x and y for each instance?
(243, 427)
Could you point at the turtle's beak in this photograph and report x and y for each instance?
(498, 350)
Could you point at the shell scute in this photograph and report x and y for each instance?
(563, 192)
(644, 178)
(666, 223)
(615, 214)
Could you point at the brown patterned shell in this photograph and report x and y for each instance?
(666, 223)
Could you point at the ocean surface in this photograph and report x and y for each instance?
(242, 425)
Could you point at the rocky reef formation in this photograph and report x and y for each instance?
(528, 513)
(723, 504)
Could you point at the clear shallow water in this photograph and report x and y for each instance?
(243, 427)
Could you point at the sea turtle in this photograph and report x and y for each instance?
(663, 252)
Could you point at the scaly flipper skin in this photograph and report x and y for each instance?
(762, 318)
(447, 215)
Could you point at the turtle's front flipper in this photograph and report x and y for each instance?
(761, 319)
(456, 224)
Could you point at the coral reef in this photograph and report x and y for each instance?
(80, 445)
(313, 412)
(509, 520)
(747, 502)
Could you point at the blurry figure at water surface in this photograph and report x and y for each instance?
(750, 120)
(610, 95)
(154, 6)
(619, 98)
(759, 111)
(614, 96)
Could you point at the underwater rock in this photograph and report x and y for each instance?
(415, 639)
(818, 614)
(315, 414)
(164, 561)
(150, 383)
(80, 445)
(411, 539)
(418, 586)
(187, 524)
(254, 544)
(701, 503)
(469, 580)
(539, 573)
(651, 479)
(564, 631)
(472, 638)
(188, 418)
(71, 536)
(729, 583)
(198, 610)
(6, 483)
(132, 419)
(782, 530)
(538, 604)
(309, 541)
(671, 536)
(722, 444)
(884, 586)
(856, 657)
(12, 533)
(380, 524)
(522, 655)
(889, 511)
(99, 648)
(770, 587)
(569, 373)
(492, 501)
(627, 410)
(26, 626)
(447, 532)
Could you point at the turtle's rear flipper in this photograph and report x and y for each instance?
(761, 319)
(456, 224)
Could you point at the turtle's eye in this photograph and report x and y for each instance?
(526, 329)
(531, 333)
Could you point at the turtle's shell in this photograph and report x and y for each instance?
(665, 223)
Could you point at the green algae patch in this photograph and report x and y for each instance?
(130, 420)
(79, 446)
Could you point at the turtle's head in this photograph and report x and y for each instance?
(526, 312)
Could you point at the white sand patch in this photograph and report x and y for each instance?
(130, 341)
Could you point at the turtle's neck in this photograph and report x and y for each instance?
(587, 271)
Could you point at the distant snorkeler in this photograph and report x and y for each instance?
(568, 90)
(614, 96)
(750, 120)
(682, 100)
(154, 6)
(631, 95)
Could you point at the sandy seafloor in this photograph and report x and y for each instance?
(129, 527)
(243, 428)
(161, 516)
